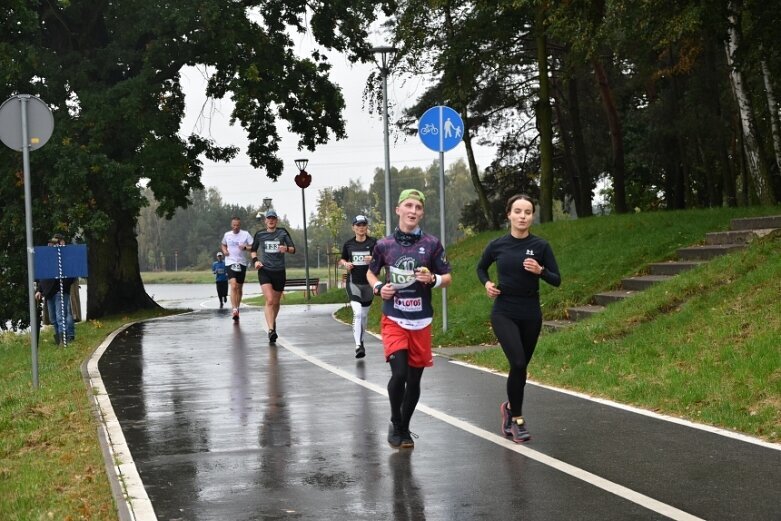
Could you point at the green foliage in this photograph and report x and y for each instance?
(111, 74)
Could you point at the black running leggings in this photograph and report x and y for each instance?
(518, 338)
(403, 388)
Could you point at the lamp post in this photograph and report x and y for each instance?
(386, 53)
(303, 180)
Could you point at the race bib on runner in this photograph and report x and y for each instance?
(236, 267)
(400, 278)
(408, 305)
(359, 258)
(271, 246)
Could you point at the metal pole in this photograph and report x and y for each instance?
(28, 217)
(442, 224)
(306, 247)
(387, 146)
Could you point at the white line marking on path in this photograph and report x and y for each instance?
(576, 472)
(636, 410)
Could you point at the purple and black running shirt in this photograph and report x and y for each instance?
(411, 306)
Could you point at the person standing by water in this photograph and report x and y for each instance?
(56, 293)
(220, 278)
(268, 257)
(414, 263)
(235, 244)
(356, 255)
(522, 259)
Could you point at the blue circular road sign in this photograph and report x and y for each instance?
(440, 128)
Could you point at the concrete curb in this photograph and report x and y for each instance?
(130, 496)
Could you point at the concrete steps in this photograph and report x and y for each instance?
(742, 232)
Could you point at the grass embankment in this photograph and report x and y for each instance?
(703, 346)
(51, 464)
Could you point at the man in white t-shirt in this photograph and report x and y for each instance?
(235, 245)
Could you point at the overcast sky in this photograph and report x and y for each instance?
(331, 165)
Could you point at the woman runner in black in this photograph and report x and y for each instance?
(522, 259)
(356, 255)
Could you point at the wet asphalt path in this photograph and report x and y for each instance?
(223, 426)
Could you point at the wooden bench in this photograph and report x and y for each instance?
(314, 284)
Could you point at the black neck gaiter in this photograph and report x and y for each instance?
(407, 239)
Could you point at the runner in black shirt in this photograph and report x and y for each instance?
(356, 255)
(522, 259)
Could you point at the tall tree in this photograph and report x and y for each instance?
(757, 169)
(111, 73)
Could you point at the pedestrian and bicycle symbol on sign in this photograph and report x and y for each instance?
(441, 128)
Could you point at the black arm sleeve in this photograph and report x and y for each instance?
(551, 272)
(485, 262)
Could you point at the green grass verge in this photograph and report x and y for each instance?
(51, 464)
(702, 346)
(333, 296)
(207, 277)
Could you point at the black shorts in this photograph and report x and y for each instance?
(237, 274)
(362, 293)
(277, 279)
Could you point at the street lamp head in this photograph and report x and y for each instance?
(266, 203)
(301, 164)
(386, 53)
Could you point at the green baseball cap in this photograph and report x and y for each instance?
(411, 193)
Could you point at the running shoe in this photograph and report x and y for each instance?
(272, 336)
(519, 432)
(235, 315)
(394, 435)
(406, 439)
(507, 418)
(360, 352)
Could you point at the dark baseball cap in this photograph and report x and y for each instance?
(360, 219)
(271, 213)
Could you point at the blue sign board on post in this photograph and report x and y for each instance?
(53, 262)
(441, 128)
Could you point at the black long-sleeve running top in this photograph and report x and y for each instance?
(519, 288)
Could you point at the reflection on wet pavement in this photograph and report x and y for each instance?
(223, 426)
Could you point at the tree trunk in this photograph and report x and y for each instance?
(756, 170)
(544, 121)
(772, 106)
(579, 144)
(674, 156)
(475, 176)
(616, 137)
(114, 284)
(567, 150)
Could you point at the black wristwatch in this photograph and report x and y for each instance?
(378, 288)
